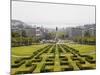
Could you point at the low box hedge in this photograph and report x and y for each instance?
(89, 57)
(81, 61)
(64, 63)
(43, 68)
(49, 63)
(63, 59)
(36, 60)
(28, 63)
(92, 61)
(83, 67)
(70, 68)
(74, 58)
(18, 60)
(18, 64)
(27, 71)
(49, 60)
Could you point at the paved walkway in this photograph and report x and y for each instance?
(18, 56)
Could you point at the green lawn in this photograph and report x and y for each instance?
(26, 50)
(13, 59)
(22, 68)
(83, 48)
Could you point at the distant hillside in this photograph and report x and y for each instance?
(19, 24)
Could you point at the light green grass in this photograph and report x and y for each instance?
(83, 48)
(13, 59)
(26, 50)
(93, 55)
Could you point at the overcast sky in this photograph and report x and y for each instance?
(52, 15)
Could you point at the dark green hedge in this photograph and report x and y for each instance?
(18, 65)
(27, 71)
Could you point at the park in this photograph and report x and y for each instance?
(52, 37)
(52, 58)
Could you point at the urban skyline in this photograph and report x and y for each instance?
(56, 15)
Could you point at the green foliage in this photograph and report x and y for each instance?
(61, 35)
(24, 33)
(18, 65)
(87, 34)
(85, 40)
(21, 41)
(15, 34)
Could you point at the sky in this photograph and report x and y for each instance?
(52, 15)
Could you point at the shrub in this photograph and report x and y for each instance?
(18, 60)
(64, 59)
(70, 68)
(27, 71)
(64, 63)
(28, 64)
(18, 65)
(89, 57)
(49, 63)
(74, 58)
(83, 55)
(79, 65)
(50, 60)
(90, 60)
(81, 61)
(36, 60)
(43, 68)
(83, 67)
(48, 70)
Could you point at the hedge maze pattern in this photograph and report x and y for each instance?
(53, 58)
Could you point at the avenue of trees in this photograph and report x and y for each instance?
(87, 39)
(22, 39)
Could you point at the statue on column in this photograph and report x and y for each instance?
(56, 37)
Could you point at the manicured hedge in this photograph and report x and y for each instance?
(83, 55)
(81, 61)
(62, 56)
(79, 65)
(18, 65)
(49, 60)
(27, 71)
(70, 68)
(28, 64)
(63, 59)
(49, 63)
(18, 60)
(43, 68)
(66, 49)
(91, 60)
(36, 60)
(48, 70)
(64, 63)
(83, 67)
(74, 58)
(89, 57)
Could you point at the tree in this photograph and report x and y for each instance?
(24, 33)
(15, 34)
(87, 34)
